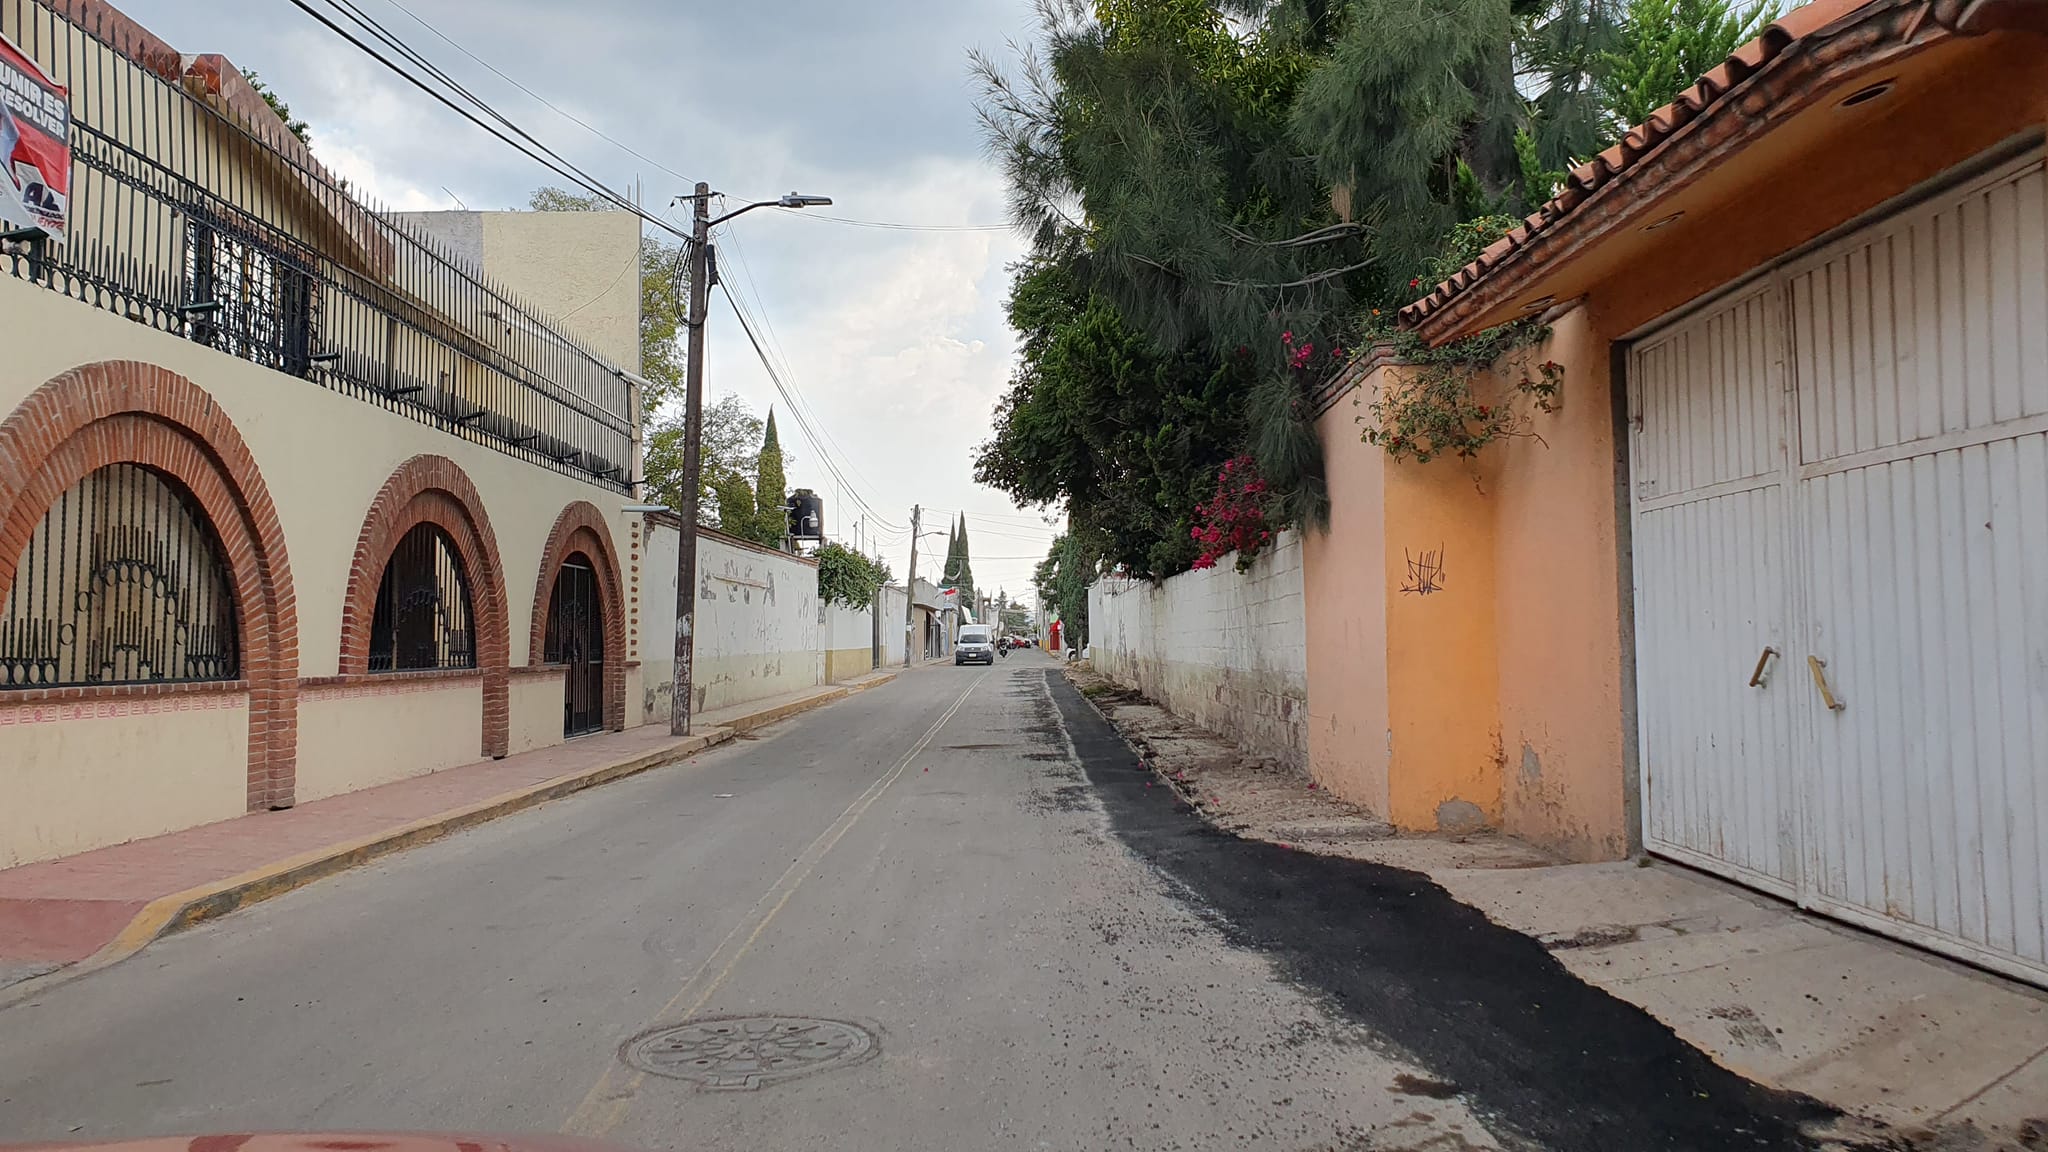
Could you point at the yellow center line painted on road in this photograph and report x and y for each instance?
(608, 1099)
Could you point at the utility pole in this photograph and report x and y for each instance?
(702, 272)
(693, 462)
(910, 609)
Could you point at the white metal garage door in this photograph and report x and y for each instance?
(1841, 549)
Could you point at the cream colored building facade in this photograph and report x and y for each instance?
(400, 485)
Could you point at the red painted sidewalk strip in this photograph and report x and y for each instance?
(66, 909)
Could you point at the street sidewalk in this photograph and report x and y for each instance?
(1910, 1046)
(78, 913)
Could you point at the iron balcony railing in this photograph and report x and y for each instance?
(184, 218)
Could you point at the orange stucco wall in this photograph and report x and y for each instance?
(1345, 607)
(1442, 674)
(1464, 651)
(1559, 620)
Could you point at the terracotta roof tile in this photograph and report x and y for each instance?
(1640, 140)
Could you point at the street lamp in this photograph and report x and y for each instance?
(693, 432)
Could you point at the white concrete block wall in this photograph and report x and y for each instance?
(1224, 649)
(849, 628)
(895, 604)
(759, 632)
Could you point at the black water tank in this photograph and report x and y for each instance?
(806, 515)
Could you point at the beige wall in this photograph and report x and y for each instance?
(323, 456)
(360, 735)
(580, 268)
(537, 710)
(848, 663)
(78, 776)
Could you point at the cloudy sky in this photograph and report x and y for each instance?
(894, 339)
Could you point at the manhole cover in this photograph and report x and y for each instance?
(743, 1052)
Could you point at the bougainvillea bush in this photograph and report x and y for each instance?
(1233, 520)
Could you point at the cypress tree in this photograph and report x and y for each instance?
(771, 518)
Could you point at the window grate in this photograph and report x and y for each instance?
(122, 583)
(422, 619)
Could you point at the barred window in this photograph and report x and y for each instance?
(423, 616)
(122, 583)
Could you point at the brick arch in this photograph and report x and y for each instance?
(124, 411)
(434, 490)
(582, 528)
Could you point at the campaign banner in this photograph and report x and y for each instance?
(35, 145)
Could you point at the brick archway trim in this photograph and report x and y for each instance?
(434, 490)
(582, 528)
(125, 411)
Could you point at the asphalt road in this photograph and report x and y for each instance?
(927, 861)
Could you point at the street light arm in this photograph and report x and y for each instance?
(793, 200)
(741, 211)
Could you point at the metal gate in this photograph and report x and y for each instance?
(1841, 548)
(576, 638)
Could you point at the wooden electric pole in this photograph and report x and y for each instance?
(693, 463)
(910, 609)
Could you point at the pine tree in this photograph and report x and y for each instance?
(1667, 45)
(771, 517)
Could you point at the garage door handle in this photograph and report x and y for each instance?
(1756, 678)
(1820, 681)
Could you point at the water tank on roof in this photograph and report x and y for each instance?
(806, 515)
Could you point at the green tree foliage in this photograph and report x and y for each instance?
(1014, 619)
(1669, 45)
(1072, 564)
(734, 499)
(1175, 164)
(1129, 437)
(284, 111)
(771, 495)
(847, 578)
(731, 445)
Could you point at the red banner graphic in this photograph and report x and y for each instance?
(35, 145)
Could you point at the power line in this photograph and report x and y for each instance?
(803, 425)
(802, 422)
(538, 152)
(775, 342)
(550, 105)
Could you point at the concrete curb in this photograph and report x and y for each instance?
(196, 905)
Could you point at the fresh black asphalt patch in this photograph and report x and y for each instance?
(1530, 1046)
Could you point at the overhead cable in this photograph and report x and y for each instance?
(537, 151)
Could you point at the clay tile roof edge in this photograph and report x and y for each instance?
(1643, 138)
